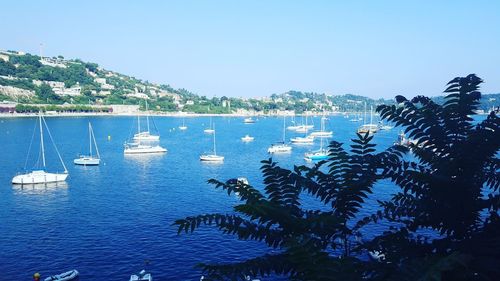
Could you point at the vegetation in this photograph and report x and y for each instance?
(444, 221)
(57, 108)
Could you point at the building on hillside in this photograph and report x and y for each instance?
(54, 62)
(107, 87)
(226, 103)
(189, 102)
(138, 95)
(74, 90)
(4, 57)
(101, 81)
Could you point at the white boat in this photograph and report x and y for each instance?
(38, 176)
(403, 141)
(305, 139)
(322, 133)
(90, 159)
(146, 135)
(212, 157)
(320, 154)
(248, 120)
(209, 130)
(142, 276)
(302, 140)
(66, 276)
(368, 128)
(247, 138)
(138, 148)
(383, 127)
(281, 147)
(183, 127)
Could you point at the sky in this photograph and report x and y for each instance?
(256, 48)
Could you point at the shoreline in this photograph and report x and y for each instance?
(156, 114)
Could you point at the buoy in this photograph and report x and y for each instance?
(109, 137)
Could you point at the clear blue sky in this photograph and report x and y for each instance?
(256, 48)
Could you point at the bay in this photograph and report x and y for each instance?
(115, 219)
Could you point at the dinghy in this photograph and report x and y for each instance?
(142, 276)
(66, 276)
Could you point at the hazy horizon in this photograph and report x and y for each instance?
(257, 48)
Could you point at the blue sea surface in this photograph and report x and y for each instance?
(115, 219)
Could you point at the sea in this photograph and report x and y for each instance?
(113, 220)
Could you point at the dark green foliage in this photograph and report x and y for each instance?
(45, 94)
(450, 188)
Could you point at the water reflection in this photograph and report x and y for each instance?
(40, 188)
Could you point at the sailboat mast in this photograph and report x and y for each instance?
(147, 115)
(95, 143)
(364, 117)
(138, 123)
(90, 140)
(371, 114)
(215, 152)
(41, 139)
(284, 128)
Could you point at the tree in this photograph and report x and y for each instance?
(45, 93)
(451, 187)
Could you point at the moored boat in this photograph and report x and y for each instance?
(247, 138)
(142, 276)
(66, 276)
(39, 175)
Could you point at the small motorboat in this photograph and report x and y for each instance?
(66, 276)
(247, 138)
(249, 120)
(142, 276)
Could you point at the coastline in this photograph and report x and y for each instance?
(157, 114)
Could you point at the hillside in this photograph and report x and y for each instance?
(31, 79)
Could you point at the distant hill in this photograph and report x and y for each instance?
(31, 79)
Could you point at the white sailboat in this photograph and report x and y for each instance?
(281, 147)
(138, 148)
(40, 176)
(212, 157)
(183, 127)
(368, 128)
(305, 139)
(90, 159)
(322, 133)
(320, 154)
(209, 130)
(146, 135)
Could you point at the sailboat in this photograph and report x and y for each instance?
(209, 130)
(89, 160)
(146, 135)
(280, 147)
(212, 157)
(183, 127)
(305, 139)
(139, 148)
(41, 176)
(320, 154)
(294, 126)
(322, 133)
(368, 128)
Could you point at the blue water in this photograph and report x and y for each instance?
(116, 219)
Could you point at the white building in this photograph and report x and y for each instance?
(54, 62)
(189, 102)
(138, 95)
(4, 57)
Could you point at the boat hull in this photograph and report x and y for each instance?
(37, 177)
(301, 140)
(87, 161)
(279, 149)
(211, 158)
(66, 276)
(145, 150)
